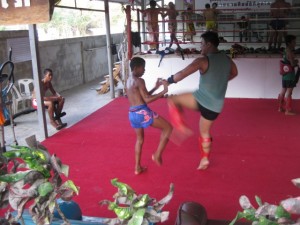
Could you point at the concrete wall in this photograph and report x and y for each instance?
(74, 61)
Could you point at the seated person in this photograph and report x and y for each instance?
(54, 102)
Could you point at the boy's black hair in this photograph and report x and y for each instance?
(289, 38)
(137, 61)
(47, 70)
(212, 37)
(152, 3)
(207, 5)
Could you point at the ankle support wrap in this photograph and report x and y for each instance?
(201, 141)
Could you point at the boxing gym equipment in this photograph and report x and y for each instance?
(6, 84)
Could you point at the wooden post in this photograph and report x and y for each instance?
(129, 37)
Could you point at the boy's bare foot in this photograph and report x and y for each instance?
(140, 170)
(204, 163)
(157, 159)
(290, 113)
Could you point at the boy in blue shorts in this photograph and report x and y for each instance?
(141, 116)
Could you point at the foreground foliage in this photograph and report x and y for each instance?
(133, 209)
(268, 214)
(31, 176)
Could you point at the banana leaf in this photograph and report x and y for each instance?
(142, 201)
(12, 178)
(35, 159)
(281, 213)
(123, 188)
(137, 218)
(264, 221)
(258, 201)
(248, 214)
(45, 188)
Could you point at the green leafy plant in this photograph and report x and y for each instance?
(268, 214)
(133, 209)
(31, 176)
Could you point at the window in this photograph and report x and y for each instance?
(20, 49)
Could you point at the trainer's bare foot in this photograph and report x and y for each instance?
(204, 163)
(140, 170)
(157, 159)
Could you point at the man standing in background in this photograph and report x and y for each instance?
(279, 11)
(151, 15)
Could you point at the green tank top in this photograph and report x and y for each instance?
(291, 75)
(213, 83)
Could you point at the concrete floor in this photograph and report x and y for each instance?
(80, 102)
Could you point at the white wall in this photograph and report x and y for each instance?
(258, 77)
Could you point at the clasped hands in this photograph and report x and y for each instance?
(160, 82)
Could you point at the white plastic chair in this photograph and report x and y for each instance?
(26, 87)
(19, 102)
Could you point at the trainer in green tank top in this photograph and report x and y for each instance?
(213, 83)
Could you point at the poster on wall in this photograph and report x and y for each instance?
(238, 4)
(232, 4)
(15, 12)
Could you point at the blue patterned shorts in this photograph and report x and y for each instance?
(141, 116)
